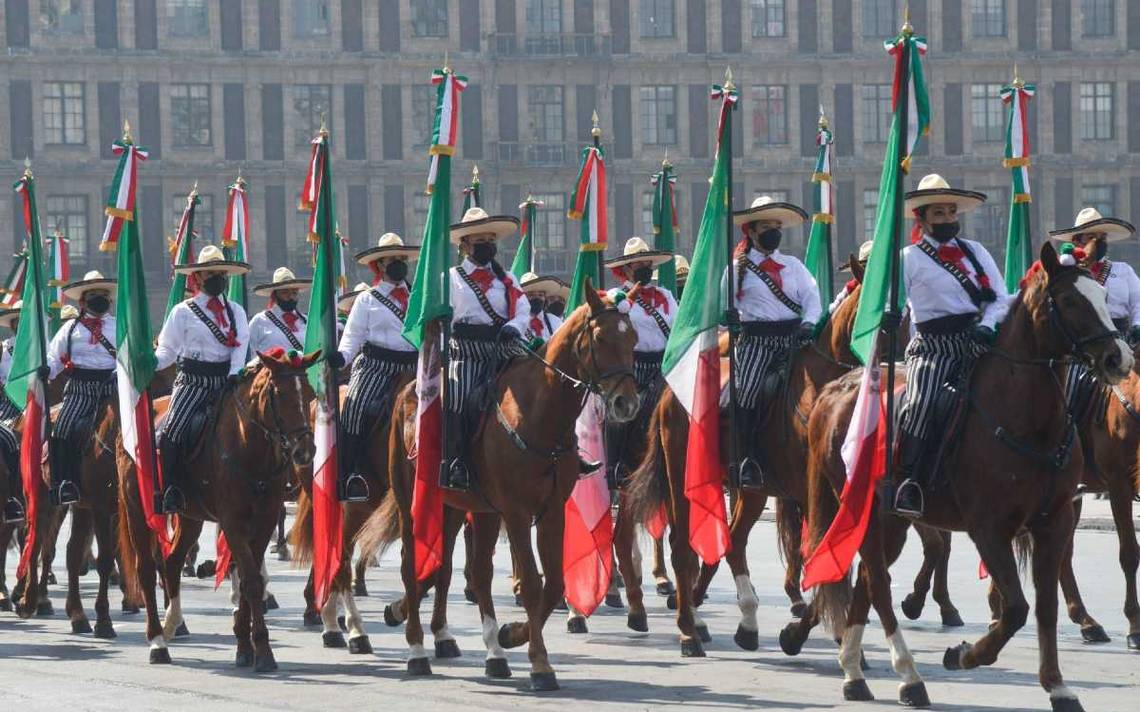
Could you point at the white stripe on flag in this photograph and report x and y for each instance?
(682, 378)
(865, 419)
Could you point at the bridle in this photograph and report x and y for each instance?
(1077, 344)
(287, 441)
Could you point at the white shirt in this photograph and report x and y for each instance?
(932, 292)
(550, 324)
(185, 336)
(6, 358)
(650, 338)
(372, 322)
(467, 310)
(755, 299)
(84, 354)
(264, 334)
(1123, 293)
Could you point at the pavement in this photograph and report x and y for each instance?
(45, 667)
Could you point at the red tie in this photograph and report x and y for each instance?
(654, 297)
(536, 326)
(484, 278)
(400, 294)
(291, 319)
(772, 267)
(94, 324)
(1097, 268)
(952, 254)
(219, 311)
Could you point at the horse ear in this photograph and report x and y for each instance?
(592, 297)
(1049, 259)
(858, 270)
(270, 359)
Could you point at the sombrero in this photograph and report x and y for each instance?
(934, 190)
(680, 268)
(476, 221)
(283, 278)
(344, 302)
(553, 286)
(863, 257)
(1090, 220)
(766, 207)
(636, 250)
(68, 311)
(92, 280)
(10, 314)
(211, 259)
(389, 245)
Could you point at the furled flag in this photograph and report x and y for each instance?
(524, 257)
(588, 204)
(692, 359)
(121, 200)
(817, 258)
(1019, 238)
(445, 130)
(235, 237)
(13, 288)
(665, 222)
(429, 304)
(181, 250)
(59, 264)
(587, 544)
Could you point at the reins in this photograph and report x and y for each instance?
(286, 441)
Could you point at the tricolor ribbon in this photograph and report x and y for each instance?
(727, 97)
(588, 201)
(121, 200)
(60, 256)
(918, 101)
(821, 177)
(1016, 158)
(235, 234)
(445, 131)
(311, 190)
(13, 288)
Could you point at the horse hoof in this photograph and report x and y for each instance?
(129, 608)
(243, 659)
(51, 575)
(160, 656)
(1134, 641)
(952, 658)
(857, 691)
(312, 618)
(505, 639)
(912, 606)
(951, 619)
(24, 611)
(360, 589)
(665, 588)
(44, 608)
(264, 663)
(283, 554)
(914, 695)
(543, 682)
(333, 639)
(1095, 634)
(561, 606)
(747, 639)
(360, 645)
(6, 605)
(469, 595)
(390, 618)
(613, 600)
(1066, 704)
(81, 626)
(181, 631)
(703, 633)
(419, 666)
(671, 601)
(497, 668)
(188, 570)
(447, 649)
(271, 603)
(799, 609)
(105, 629)
(577, 625)
(638, 622)
(692, 648)
(341, 624)
(206, 569)
(789, 643)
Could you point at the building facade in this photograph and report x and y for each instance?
(212, 87)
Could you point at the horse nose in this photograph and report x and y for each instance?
(1117, 362)
(304, 451)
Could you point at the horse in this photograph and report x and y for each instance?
(238, 480)
(1015, 465)
(524, 457)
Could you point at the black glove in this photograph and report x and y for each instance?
(805, 334)
(336, 360)
(732, 321)
(43, 372)
(1133, 337)
(509, 333)
(983, 335)
(891, 321)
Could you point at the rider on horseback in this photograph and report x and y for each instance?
(81, 348)
(374, 331)
(957, 297)
(538, 291)
(9, 414)
(281, 324)
(778, 305)
(207, 336)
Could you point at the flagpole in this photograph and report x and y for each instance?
(733, 316)
(596, 132)
(531, 218)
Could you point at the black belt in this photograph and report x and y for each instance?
(204, 368)
(649, 357)
(391, 355)
(475, 332)
(944, 325)
(770, 328)
(92, 375)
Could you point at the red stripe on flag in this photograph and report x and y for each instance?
(144, 461)
(31, 463)
(704, 478)
(427, 496)
(586, 561)
(657, 522)
(328, 538)
(222, 561)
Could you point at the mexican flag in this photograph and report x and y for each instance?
(587, 543)
(817, 258)
(235, 238)
(588, 204)
(13, 289)
(524, 256)
(665, 222)
(59, 262)
(1019, 238)
(181, 250)
(692, 358)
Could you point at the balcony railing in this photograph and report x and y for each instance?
(537, 153)
(549, 45)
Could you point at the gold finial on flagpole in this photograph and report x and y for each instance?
(728, 85)
(447, 63)
(907, 29)
(596, 131)
(1018, 82)
(823, 124)
(324, 130)
(127, 138)
(27, 167)
(193, 194)
(475, 174)
(240, 180)
(665, 161)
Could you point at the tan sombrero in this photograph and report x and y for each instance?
(1089, 220)
(766, 207)
(211, 259)
(476, 221)
(68, 311)
(863, 257)
(389, 245)
(283, 278)
(636, 250)
(934, 190)
(344, 302)
(92, 280)
(552, 286)
(10, 314)
(680, 268)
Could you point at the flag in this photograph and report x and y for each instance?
(665, 222)
(588, 204)
(120, 208)
(181, 251)
(59, 264)
(524, 257)
(13, 289)
(817, 258)
(428, 304)
(29, 355)
(692, 359)
(235, 238)
(1019, 240)
(445, 130)
(907, 50)
(587, 562)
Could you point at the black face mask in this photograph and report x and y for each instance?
(944, 232)
(287, 305)
(214, 285)
(556, 308)
(643, 275)
(1100, 250)
(98, 305)
(769, 240)
(396, 270)
(483, 252)
(536, 304)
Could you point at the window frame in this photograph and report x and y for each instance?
(64, 129)
(982, 17)
(869, 219)
(311, 10)
(762, 97)
(1101, 114)
(77, 248)
(542, 17)
(656, 9)
(185, 140)
(1106, 207)
(992, 109)
(76, 11)
(180, 13)
(881, 119)
(760, 29)
(427, 27)
(651, 121)
(540, 113)
(303, 137)
(879, 22)
(1108, 17)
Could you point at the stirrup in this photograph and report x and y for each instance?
(173, 500)
(909, 499)
(587, 467)
(355, 488)
(67, 493)
(458, 476)
(751, 474)
(13, 511)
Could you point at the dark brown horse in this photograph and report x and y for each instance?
(237, 479)
(524, 458)
(1014, 467)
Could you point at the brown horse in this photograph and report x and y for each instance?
(239, 481)
(524, 459)
(1014, 467)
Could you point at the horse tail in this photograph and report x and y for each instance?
(381, 529)
(831, 600)
(301, 535)
(790, 530)
(1023, 547)
(128, 557)
(647, 491)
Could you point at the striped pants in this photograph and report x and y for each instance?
(81, 401)
(756, 356)
(190, 403)
(473, 362)
(369, 388)
(931, 361)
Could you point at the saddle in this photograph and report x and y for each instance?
(947, 414)
(201, 424)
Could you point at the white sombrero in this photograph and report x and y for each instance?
(389, 245)
(211, 259)
(10, 314)
(863, 257)
(766, 207)
(476, 221)
(636, 250)
(283, 278)
(552, 286)
(68, 311)
(934, 190)
(1089, 220)
(92, 280)
(345, 301)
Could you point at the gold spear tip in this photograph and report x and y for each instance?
(324, 130)
(728, 85)
(597, 129)
(822, 118)
(127, 131)
(475, 173)
(907, 28)
(27, 167)
(447, 62)
(665, 161)
(1018, 82)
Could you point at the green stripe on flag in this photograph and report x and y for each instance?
(431, 293)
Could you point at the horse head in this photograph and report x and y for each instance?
(603, 341)
(281, 395)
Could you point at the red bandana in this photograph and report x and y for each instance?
(94, 324)
(655, 298)
(1097, 268)
(536, 326)
(219, 311)
(483, 277)
(952, 254)
(291, 318)
(772, 267)
(400, 295)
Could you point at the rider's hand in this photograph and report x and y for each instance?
(43, 372)
(336, 360)
(805, 334)
(983, 335)
(891, 321)
(509, 333)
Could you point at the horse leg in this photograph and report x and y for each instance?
(249, 557)
(418, 663)
(445, 645)
(484, 530)
(32, 593)
(243, 618)
(660, 573)
(312, 616)
(915, 601)
(6, 531)
(684, 564)
(81, 524)
(941, 593)
(912, 689)
(173, 624)
(105, 566)
(359, 587)
(748, 511)
(1050, 541)
(331, 636)
(1120, 497)
(468, 555)
(1091, 631)
(142, 543)
(282, 546)
(551, 530)
(997, 554)
(625, 543)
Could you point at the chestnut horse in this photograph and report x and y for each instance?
(524, 459)
(1014, 467)
(238, 479)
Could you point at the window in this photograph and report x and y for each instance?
(543, 17)
(1099, 16)
(1101, 197)
(769, 115)
(987, 18)
(429, 18)
(423, 104)
(188, 18)
(989, 223)
(647, 213)
(311, 103)
(987, 112)
(203, 218)
(550, 234)
(299, 253)
(768, 18)
(68, 214)
(1096, 111)
(310, 18)
(876, 112)
(880, 19)
(61, 17)
(190, 115)
(870, 209)
(64, 116)
(420, 203)
(659, 116)
(657, 18)
(545, 106)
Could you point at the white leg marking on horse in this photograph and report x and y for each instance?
(443, 634)
(901, 659)
(572, 612)
(353, 618)
(1061, 692)
(157, 643)
(746, 599)
(173, 617)
(417, 651)
(235, 588)
(850, 653)
(491, 639)
(328, 614)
